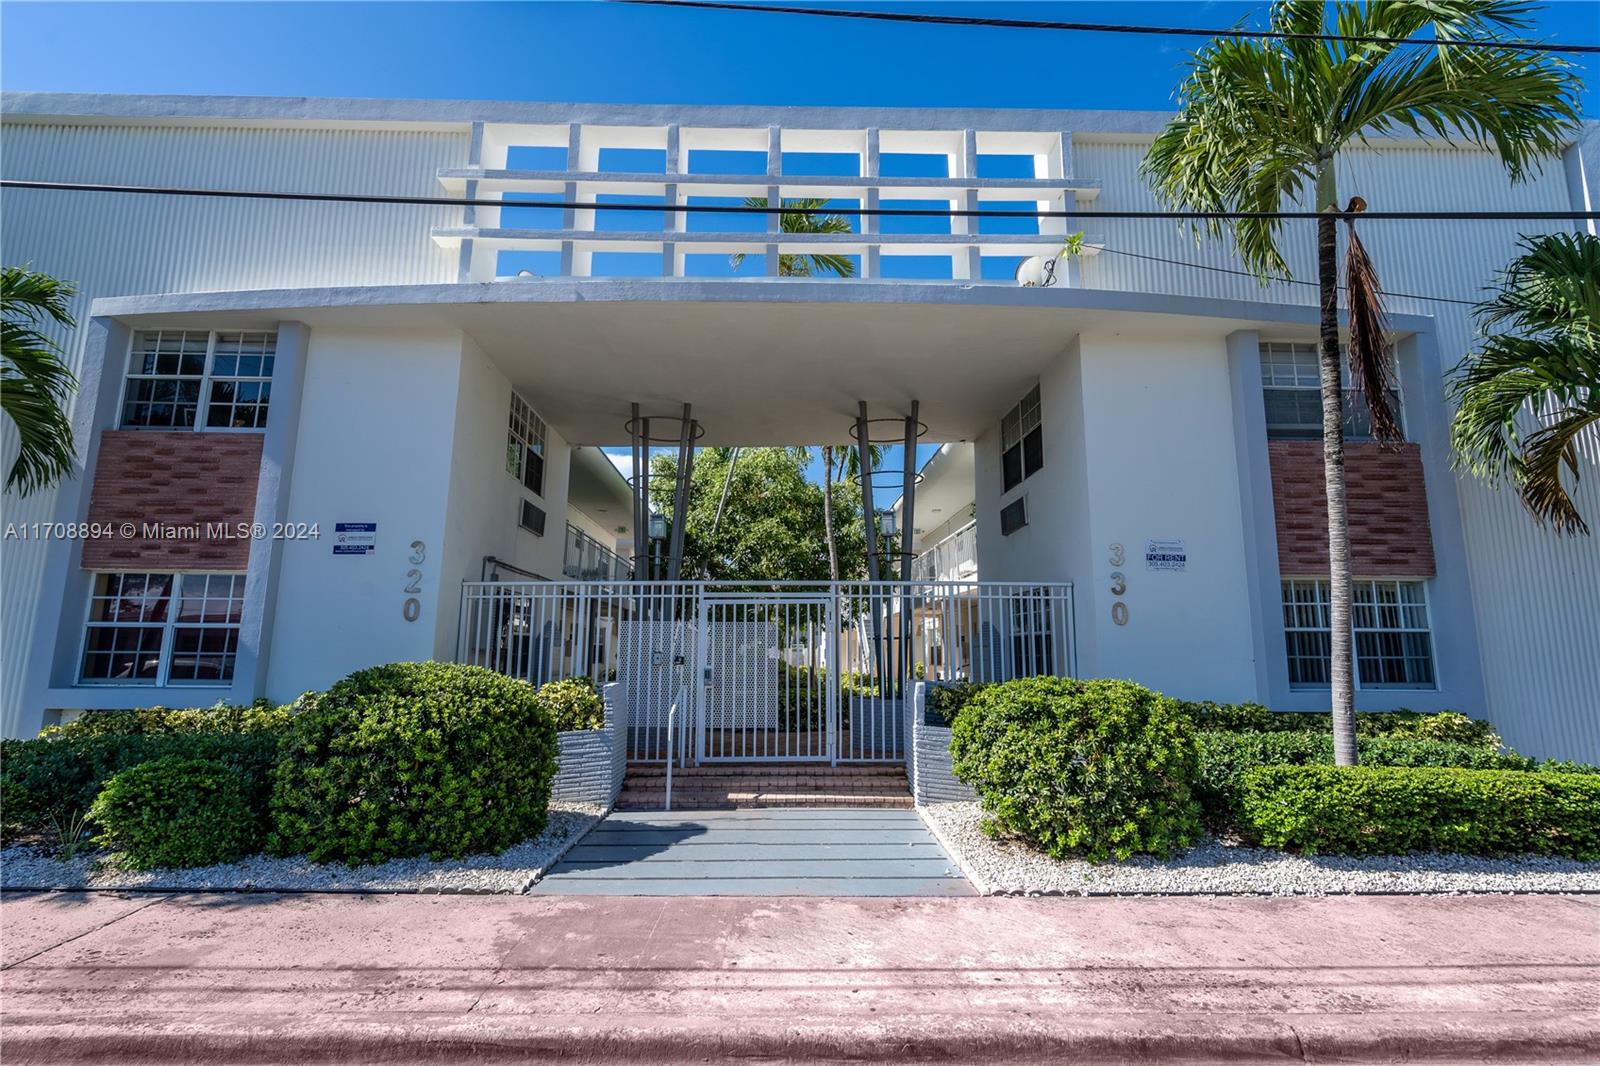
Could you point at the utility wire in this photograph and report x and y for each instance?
(1106, 27)
(742, 209)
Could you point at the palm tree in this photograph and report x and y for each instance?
(1546, 362)
(805, 221)
(1260, 120)
(34, 380)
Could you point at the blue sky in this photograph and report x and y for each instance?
(613, 53)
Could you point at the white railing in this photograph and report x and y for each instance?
(760, 684)
(953, 558)
(668, 167)
(586, 559)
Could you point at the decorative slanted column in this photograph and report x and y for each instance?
(680, 495)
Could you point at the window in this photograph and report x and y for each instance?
(532, 519)
(1021, 441)
(184, 379)
(1013, 516)
(525, 446)
(1393, 641)
(135, 636)
(1291, 386)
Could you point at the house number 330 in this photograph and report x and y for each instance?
(411, 609)
(1119, 585)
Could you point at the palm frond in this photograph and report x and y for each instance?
(1370, 348)
(805, 221)
(35, 382)
(1527, 395)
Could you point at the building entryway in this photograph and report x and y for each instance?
(748, 852)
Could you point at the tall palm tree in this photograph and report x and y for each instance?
(805, 221)
(1544, 365)
(1261, 120)
(34, 380)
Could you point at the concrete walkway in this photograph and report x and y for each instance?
(759, 852)
(324, 979)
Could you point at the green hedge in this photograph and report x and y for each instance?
(428, 758)
(1446, 726)
(1364, 810)
(573, 704)
(175, 811)
(46, 782)
(944, 700)
(1101, 768)
(221, 718)
(1226, 757)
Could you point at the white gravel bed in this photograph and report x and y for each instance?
(511, 871)
(999, 867)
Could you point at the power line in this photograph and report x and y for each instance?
(1285, 281)
(1106, 27)
(744, 209)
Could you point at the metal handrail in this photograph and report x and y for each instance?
(672, 723)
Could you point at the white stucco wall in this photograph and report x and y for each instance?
(375, 445)
(1139, 444)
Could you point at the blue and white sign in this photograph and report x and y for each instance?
(1165, 555)
(355, 538)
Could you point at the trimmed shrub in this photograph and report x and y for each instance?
(943, 701)
(573, 704)
(427, 758)
(221, 718)
(1368, 810)
(1102, 768)
(175, 811)
(50, 781)
(1225, 757)
(1448, 726)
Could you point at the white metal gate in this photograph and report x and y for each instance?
(766, 692)
(776, 671)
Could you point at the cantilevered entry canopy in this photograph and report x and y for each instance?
(773, 363)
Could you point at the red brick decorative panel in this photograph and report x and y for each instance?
(1388, 504)
(180, 482)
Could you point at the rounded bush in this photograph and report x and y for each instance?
(175, 811)
(1099, 768)
(408, 759)
(573, 704)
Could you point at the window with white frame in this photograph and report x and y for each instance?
(1393, 637)
(159, 629)
(189, 379)
(1021, 441)
(525, 446)
(1291, 387)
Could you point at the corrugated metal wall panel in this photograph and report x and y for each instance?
(113, 244)
(1537, 595)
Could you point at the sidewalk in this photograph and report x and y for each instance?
(281, 979)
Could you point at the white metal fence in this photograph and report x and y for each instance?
(775, 671)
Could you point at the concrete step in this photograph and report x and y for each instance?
(733, 786)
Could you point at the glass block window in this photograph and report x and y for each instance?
(1291, 386)
(241, 380)
(1021, 441)
(189, 379)
(1393, 636)
(157, 629)
(525, 446)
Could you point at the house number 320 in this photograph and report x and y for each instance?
(411, 609)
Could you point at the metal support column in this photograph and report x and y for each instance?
(641, 513)
(869, 516)
(908, 518)
(680, 495)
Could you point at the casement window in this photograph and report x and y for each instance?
(1291, 387)
(525, 446)
(162, 629)
(1393, 637)
(199, 379)
(1021, 441)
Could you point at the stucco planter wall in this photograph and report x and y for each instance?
(932, 780)
(591, 762)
